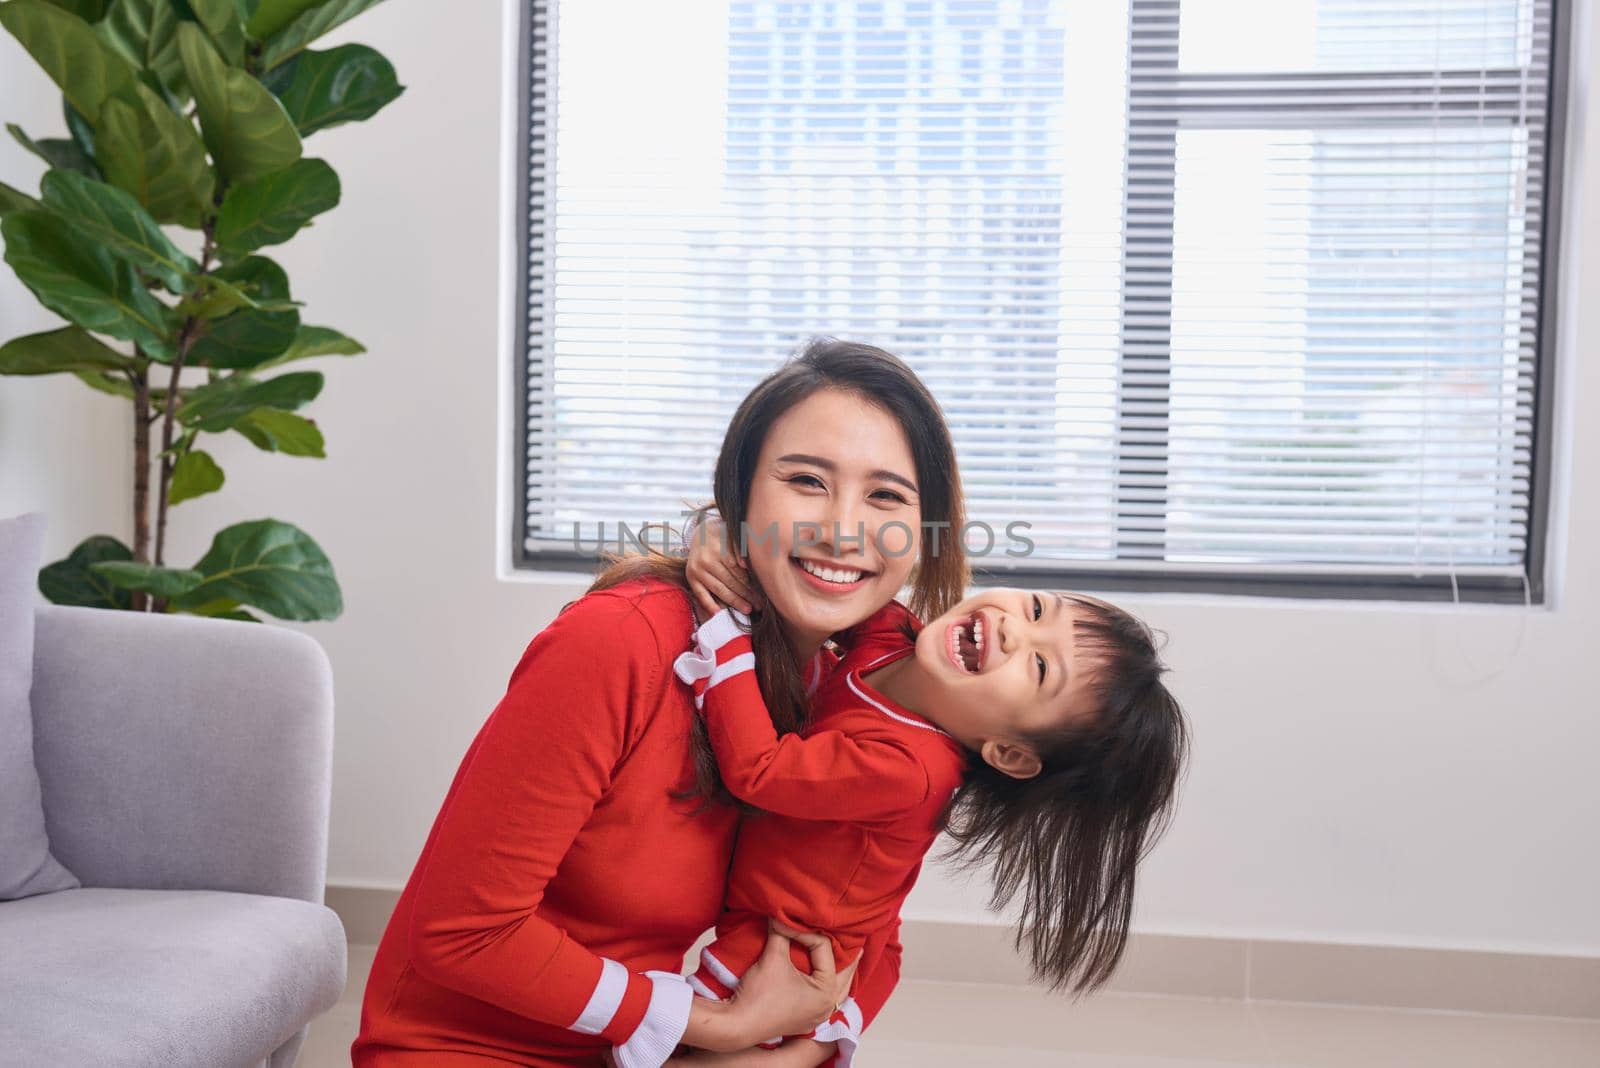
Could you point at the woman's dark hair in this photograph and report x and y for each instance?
(1070, 839)
(939, 577)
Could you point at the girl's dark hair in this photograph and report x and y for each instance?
(1070, 839)
(939, 577)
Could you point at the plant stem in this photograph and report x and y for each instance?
(186, 338)
(141, 472)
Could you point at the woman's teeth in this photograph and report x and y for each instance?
(832, 574)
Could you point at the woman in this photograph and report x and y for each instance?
(584, 843)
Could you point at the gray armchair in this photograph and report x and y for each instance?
(184, 766)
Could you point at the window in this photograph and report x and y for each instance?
(1216, 295)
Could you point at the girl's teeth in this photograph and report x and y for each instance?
(831, 574)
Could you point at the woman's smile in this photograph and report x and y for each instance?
(831, 577)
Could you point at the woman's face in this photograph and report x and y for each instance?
(833, 526)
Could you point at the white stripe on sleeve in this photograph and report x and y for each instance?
(728, 669)
(603, 1003)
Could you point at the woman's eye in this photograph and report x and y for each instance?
(808, 480)
(1038, 610)
(1040, 659)
(890, 495)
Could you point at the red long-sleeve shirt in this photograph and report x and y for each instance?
(560, 868)
(852, 803)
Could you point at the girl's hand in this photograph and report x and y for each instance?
(718, 578)
(776, 998)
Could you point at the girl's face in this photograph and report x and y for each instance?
(1000, 666)
(834, 472)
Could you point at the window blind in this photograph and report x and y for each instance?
(1205, 287)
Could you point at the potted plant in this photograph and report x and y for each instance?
(186, 114)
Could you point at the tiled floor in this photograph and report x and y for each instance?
(934, 1025)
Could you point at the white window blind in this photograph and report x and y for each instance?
(1205, 287)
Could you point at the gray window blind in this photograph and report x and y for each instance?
(1215, 294)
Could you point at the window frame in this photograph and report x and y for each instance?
(534, 296)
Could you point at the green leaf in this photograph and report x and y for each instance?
(221, 609)
(105, 383)
(217, 406)
(273, 15)
(14, 200)
(271, 565)
(307, 27)
(84, 282)
(223, 25)
(179, 447)
(245, 127)
(212, 297)
(81, 132)
(275, 430)
(168, 582)
(315, 341)
(248, 337)
(67, 349)
(270, 209)
(71, 581)
(323, 89)
(107, 215)
(56, 151)
(67, 48)
(155, 154)
(194, 475)
(87, 10)
(145, 32)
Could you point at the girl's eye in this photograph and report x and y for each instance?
(1038, 607)
(890, 495)
(1040, 659)
(809, 480)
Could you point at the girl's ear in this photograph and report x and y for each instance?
(1009, 758)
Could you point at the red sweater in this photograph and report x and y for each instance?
(559, 868)
(851, 804)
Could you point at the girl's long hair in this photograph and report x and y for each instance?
(939, 577)
(1069, 840)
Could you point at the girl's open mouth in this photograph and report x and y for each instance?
(965, 643)
(830, 577)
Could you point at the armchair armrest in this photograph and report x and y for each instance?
(176, 752)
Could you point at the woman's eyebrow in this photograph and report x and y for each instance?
(829, 465)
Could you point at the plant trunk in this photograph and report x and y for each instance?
(141, 477)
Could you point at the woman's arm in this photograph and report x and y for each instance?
(828, 775)
(523, 794)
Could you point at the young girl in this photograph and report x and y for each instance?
(1032, 726)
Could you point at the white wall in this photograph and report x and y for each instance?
(1362, 773)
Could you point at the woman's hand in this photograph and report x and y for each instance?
(718, 578)
(796, 1053)
(776, 998)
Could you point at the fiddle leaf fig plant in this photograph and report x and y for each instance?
(186, 115)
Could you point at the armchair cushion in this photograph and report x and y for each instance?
(175, 978)
(26, 864)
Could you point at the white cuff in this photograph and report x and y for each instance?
(846, 1032)
(721, 629)
(701, 661)
(664, 1023)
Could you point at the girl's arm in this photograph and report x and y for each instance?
(521, 797)
(827, 775)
